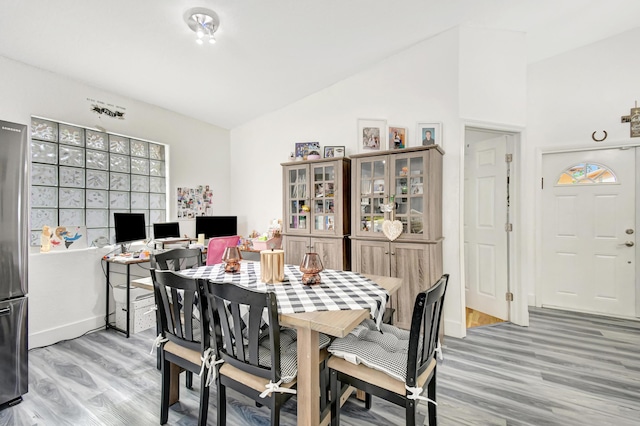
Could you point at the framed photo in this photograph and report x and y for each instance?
(372, 135)
(333, 151)
(397, 137)
(304, 149)
(429, 134)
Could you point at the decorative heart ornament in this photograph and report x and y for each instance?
(392, 229)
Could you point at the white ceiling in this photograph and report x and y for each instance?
(269, 52)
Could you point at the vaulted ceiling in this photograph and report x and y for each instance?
(269, 52)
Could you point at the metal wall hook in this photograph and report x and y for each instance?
(593, 136)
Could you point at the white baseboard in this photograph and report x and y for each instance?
(64, 332)
(454, 329)
(531, 299)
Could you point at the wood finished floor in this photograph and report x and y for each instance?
(477, 318)
(565, 369)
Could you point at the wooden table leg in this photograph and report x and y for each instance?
(308, 377)
(174, 388)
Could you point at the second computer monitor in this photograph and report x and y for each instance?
(166, 230)
(216, 226)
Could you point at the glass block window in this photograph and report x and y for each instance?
(80, 177)
(587, 173)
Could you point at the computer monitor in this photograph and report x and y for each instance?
(216, 226)
(166, 230)
(129, 227)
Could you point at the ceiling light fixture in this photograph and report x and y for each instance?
(203, 22)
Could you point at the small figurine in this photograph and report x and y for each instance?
(45, 239)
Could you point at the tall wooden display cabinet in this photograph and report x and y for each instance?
(408, 182)
(316, 211)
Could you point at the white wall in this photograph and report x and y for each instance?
(569, 97)
(67, 290)
(493, 70)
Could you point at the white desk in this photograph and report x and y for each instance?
(128, 264)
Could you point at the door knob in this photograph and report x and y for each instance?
(629, 231)
(628, 244)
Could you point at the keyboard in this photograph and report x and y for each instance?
(170, 240)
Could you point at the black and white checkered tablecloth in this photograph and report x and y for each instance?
(339, 290)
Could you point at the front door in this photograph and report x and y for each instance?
(588, 231)
(485, 235)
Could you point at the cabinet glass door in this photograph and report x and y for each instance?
(324, 198)
(373, 190)
(298, 208)
(409, 180)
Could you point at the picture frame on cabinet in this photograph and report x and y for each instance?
(372, 135)
(333, 151)
(397, 137)
(428, 134)
(303, 149)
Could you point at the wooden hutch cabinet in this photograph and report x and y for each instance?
(316, 211)
(410, 180)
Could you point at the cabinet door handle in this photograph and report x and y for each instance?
(386, 252)
(393, 253)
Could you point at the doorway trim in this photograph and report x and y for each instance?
(540, 151)
(519, 309)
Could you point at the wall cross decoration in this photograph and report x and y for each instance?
(634, 119)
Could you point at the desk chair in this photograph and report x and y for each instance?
(175, 260)
(216, 247)
(394, 365)
(248, 364)
(181, 342)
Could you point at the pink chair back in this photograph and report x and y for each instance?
(216, 247)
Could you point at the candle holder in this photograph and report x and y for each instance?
(272, 266)
(311, 267)
(231, 258)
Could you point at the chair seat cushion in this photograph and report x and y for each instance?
(288, 353)
(182, 352)
(384, 350)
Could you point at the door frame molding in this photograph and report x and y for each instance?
(519, 309)
(540, 152)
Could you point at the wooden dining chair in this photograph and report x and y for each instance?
(181, 342)
(250, 329)
(216, 246)
(394, 365)
(175, 260)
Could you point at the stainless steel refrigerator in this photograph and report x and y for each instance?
(13, 263)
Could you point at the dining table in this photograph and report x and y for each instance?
(309, 325)
(336, 315)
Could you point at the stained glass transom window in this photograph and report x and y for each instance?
(587, 173)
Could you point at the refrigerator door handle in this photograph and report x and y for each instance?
(5, 311)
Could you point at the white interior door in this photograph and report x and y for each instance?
(485, 237)
(588, 231)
